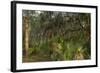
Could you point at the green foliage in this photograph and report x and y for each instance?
(58, 36)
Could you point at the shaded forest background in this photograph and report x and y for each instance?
(56, 36)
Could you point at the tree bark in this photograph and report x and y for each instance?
(26, 35)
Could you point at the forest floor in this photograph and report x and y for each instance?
(36, 58)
